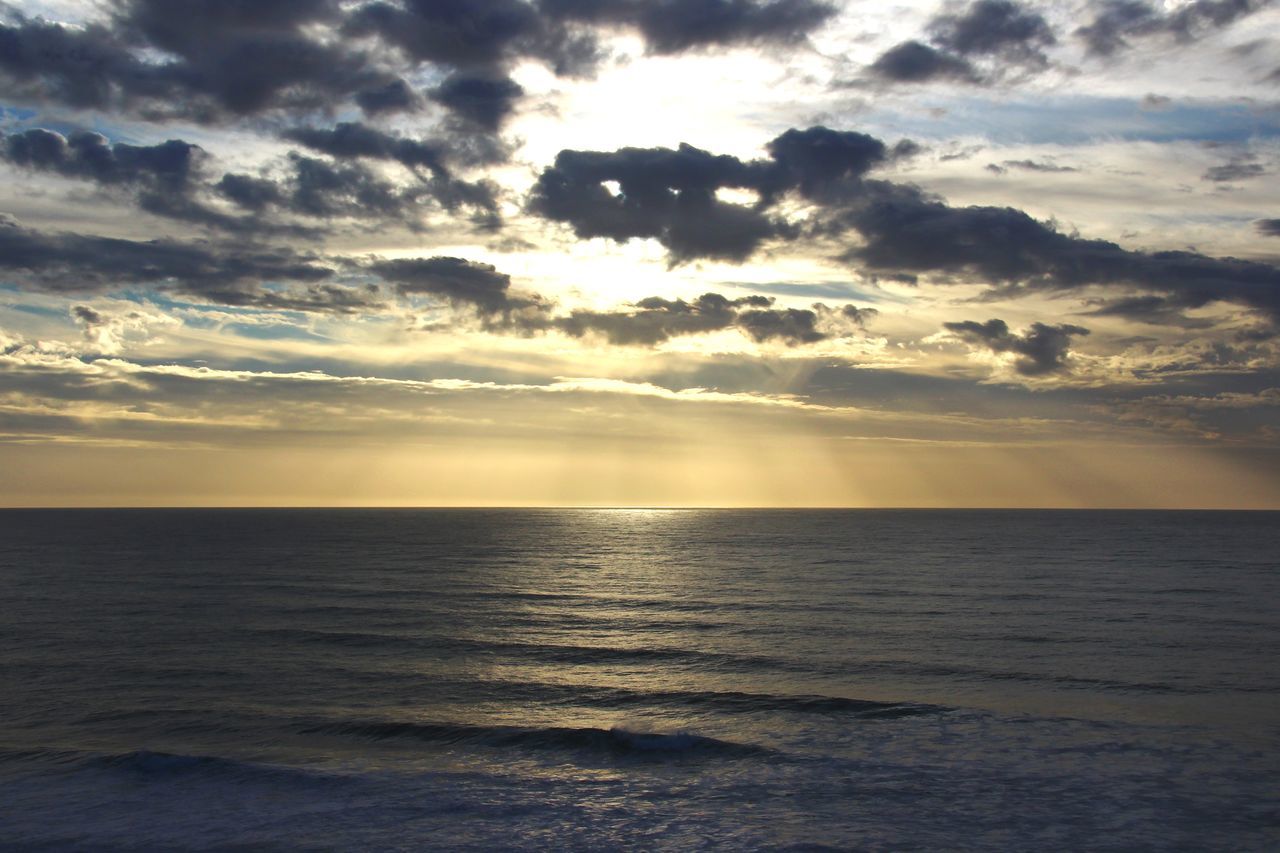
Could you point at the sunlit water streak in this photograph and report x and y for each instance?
(584, 679)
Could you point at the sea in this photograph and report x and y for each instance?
(632, 679)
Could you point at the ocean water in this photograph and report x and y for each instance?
(595, 679)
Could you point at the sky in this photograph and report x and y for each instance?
(640, 253)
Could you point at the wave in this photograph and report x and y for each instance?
(590, 655)
(797, 703)
(613, 741)
(724, 701)
(547, 652)
(157, 764)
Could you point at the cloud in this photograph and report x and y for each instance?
(914, 62)
(995, 28)
(1155, 310)
(213, 62)
(351, 140)
(223, 60)
(1004, 34)
(1115, 22)
(674, 26)
(323, 189)
(354, 140)
(108, 328)
(908, 231)
(225, 273)
(1240, 167)
(647, 322)
(1030, 166)
(471, 35)
(75, 389)
(393, 97)
(168, 179)
(1041, 349)
(484, 100)
(164, 179)
(454, 279)
(791, 326)
(320, 189)
(170, 164)
(278, 279)
(670, 195)
(654, 320)
(663, 194)
(1270, 227)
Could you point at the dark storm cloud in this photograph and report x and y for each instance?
(86, 155)
(211, 60)
(354, 140)
(790, 325)
(82, 67)
(245, 58)
(180, 25)
(71, 262)
(222, 59)
(485, 100)
(914, 62)
(468, 34)
(1042, 349)
(1156, 310)
(646, 323)
(324, 190)
(810, 160)
(1115, 22)
(317, 188)
(1006, 33)
(164, 179)
(654, 320)
(454, 279)
(672, 26)
(995, 28)
(248, 192)
(465, 283)
(480, 41)
(321, 189)
(670, 195)
(348, 140)
(167, 180)
(1270, 227)
(392, 97)
(664, 194)
(230, 274)
(908, 231)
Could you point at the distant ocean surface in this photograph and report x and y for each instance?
(583, 679)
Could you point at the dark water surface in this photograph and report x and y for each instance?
(591, 679)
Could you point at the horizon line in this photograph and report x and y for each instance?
(631, 507)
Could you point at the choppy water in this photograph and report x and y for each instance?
(564, 679)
